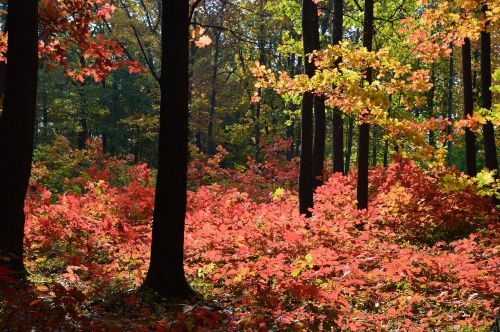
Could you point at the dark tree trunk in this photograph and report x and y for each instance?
(374, 146)
(213, 95)
(450, 99)
(350, 134)
(364, 128)
(309, 16)
(490, 151)
(430, 106)
(337, 122)
(192, 61)
(290, 129)
(470, 138)
(3, 67)
(83, 134)
(258, 105)
(166, 271)
(319, 111)
(386, 153)
(17, 127)
(319, 140)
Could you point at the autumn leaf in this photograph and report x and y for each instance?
(203, 41)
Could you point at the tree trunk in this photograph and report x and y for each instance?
(213, 95)
(430, 106)
(364, 128)
(309, 14)
(3, 70)
(470, 138)
(258, 105)
(166, 270)
(374, 146)
(350, 134)
(83, 134)
(490, 151)
(319, 140)
(337, 122)
(319, 111)
(17, 127)
(450, 100)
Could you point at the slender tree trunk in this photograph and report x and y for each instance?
(213, 94)
(319, 140)
(337, 122)
(3, 69)
(83, 133)
(17, 127)
(290, 129)
(374, 146)
(364, 128)
(470, 138)
(450, 99)
(350, 134)
(309, 14)
(319, 114)
(490, 151)
(430, 106)
(192, 61)
(386, 142)
(386, 153)
(258, 106)
(166, 271)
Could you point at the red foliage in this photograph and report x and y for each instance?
(69, 25)
(269, 267)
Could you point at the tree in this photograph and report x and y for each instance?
(337, 122)
(309, 30)
(364, 128)
(490, 152)
(17, 126)
(318, 160)
(166, 269)
(470, 139)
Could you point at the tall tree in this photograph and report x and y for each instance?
(17, 126)
(309, 29)
(364, 128)
(319, 115)
(451, 78)
(490, 152)
(166, 270)
(470, 139)
(337, 122)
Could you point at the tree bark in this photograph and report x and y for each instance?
(309, 14)
(470, 138)
(450, 99)
(166, 270)
(337, 122)
(430, 106)
(17, 127)
(3, 67)
(319, 111)
(364, 128)
(490, 151)
(374, 146)
(83, 134)
(348, 155)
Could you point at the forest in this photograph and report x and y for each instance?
(249, 165)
